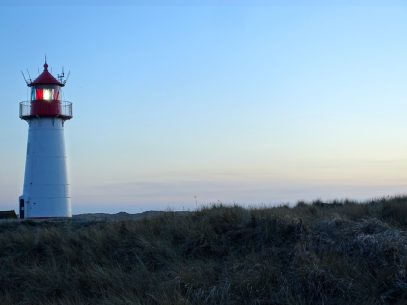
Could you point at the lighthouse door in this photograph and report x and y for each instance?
(21, 208)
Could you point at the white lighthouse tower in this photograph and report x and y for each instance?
(46, 189)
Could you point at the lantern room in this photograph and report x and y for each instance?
(46, 98)
(47, 93)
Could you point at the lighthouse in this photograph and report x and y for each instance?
(46, 188)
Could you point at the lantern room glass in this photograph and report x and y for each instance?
(46, 93)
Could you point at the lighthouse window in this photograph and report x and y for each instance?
(55, 94)
(44, 94)
(47, 94)
(38, 94)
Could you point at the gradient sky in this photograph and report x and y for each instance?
(183, 103)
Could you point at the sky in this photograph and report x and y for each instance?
(179, 104)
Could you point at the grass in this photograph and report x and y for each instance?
(316, 253)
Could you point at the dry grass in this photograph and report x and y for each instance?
(318, 253)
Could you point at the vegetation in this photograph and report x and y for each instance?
(317, 253)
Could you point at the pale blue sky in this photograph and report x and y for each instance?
(251, 103)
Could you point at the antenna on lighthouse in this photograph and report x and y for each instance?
(29, 81)
(61, 76)
(29, 76)
(26, 81)
(67, 77)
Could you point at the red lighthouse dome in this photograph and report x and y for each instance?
(45, 78)
(46, 98)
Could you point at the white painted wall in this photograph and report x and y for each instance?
(46, 190)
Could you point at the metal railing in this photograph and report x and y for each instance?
(62, 109)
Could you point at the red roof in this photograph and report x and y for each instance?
(45, 78)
